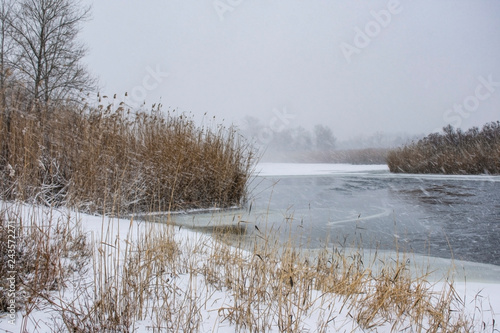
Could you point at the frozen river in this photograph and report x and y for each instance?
(442, 216)
(338, 205)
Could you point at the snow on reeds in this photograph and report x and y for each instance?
(108, 159)
(454, 152)
(102, 274)
(70, 272)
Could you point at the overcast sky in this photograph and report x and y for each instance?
(356, 66)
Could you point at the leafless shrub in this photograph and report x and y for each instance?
(454, 152)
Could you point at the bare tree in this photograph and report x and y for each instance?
(6, 48)
(324, 137)
(48, 54)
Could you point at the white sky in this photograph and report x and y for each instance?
(261, 56)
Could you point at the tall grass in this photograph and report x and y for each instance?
(134, 276)
(281, 286)
(107, 159)
(350, 156)
(112, 161)
(453, 152)
(48, 250)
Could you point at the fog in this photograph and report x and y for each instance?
(358, 67)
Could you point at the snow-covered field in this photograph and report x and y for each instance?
(320, 169)
(475, 295)
(112, 236)
(313, 169)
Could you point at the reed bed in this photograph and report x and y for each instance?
(110, 159)
(453, 152)
(127, 276)
(350, 156)
(141, 276)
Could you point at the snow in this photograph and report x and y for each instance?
(475, 295)
(313, 169)
(479, 294)
(269, 169)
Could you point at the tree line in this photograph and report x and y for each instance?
(289, 139)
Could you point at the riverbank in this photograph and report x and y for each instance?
(117, 161)
(475, 151)
(137, 276)
(338, 156)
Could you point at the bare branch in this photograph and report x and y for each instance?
(48, 55)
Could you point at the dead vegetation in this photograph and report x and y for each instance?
(109, 159)
(40, 251)
(350, 156)
(151, 273)
(453, 152)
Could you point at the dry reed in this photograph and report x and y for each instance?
(454, 152)
(48, 249)
(111, 160)
(151, 274)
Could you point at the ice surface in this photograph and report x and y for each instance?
(476, 293)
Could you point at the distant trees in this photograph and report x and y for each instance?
(39, 49)
(303, 138)
(324, 138)
(289, 139)
(378, 140)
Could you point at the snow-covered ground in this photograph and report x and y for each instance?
(483, 296)
(313, 169)
(481, 300)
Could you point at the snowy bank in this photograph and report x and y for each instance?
(192, 282)
(313, 169)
